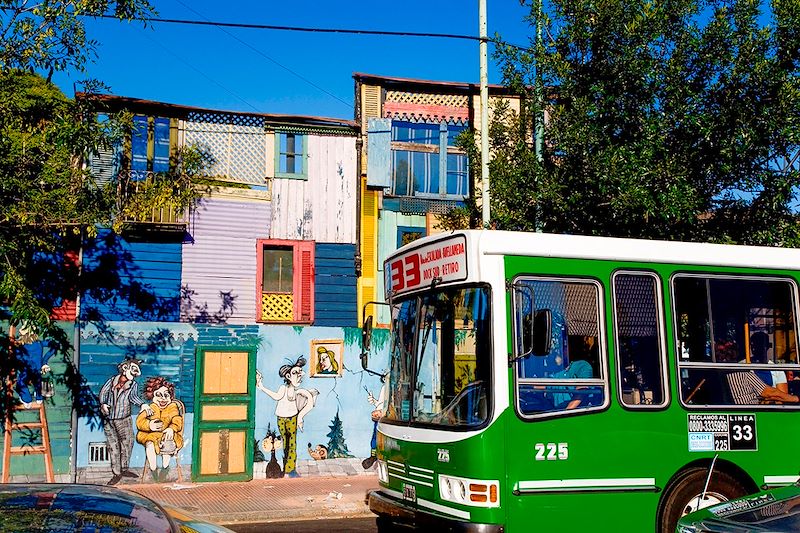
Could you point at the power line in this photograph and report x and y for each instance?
(265, 56)
(303, 29)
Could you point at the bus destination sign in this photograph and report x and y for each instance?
(708, 433)
(443, 261)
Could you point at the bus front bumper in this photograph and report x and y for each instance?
(391, 510)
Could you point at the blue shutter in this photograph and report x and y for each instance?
(379, 142)
(161, 145)
(139, 148)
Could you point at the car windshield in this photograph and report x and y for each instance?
(440, 358)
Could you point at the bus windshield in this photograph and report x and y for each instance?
(440, 358)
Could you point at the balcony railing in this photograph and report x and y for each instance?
(162, 218)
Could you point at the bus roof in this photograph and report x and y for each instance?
(635, 250)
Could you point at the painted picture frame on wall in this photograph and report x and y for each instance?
(327, 358)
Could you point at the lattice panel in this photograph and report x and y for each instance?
(449, 100)
(277, 307)
(237, 142)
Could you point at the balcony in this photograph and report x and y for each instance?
(135, 192)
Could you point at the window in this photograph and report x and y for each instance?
(639, 339)
(408, 234)
(440, 358)
(570, 376)
(736, 339)
(291, 155)
(285, 281)
(426, 162)
(150, 146)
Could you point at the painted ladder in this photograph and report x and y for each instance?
(43, 448)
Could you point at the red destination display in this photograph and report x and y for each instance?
(444, 260)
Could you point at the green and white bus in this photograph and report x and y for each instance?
(544, 382)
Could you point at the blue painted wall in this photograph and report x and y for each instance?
(139, 280)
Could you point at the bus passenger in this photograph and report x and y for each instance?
(578, 369)
(748, 389)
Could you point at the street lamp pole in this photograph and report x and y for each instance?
(484, 114)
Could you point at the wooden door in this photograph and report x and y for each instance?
(224, 418)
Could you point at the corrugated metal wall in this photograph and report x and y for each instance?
(136, 280)
(335, 285)
(322, 208)
(221, 262)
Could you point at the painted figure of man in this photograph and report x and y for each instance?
(117, 396)
(378, 410)
(293, 404)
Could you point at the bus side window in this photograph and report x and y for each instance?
(639, 339)
(569, 376)
(735, 339)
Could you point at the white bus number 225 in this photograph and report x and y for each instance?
(551, 451)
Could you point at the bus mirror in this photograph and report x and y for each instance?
(542, 332)
(366, 340)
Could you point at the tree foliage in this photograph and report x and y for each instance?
(675, 119)
(50, 204)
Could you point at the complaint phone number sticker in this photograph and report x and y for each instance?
(708, 433)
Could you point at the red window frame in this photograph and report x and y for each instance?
(302, 279)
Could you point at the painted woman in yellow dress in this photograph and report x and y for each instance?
(160, 433)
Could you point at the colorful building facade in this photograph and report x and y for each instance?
(223, 343)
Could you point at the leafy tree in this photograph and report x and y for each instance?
(676, 119)
(50, 205)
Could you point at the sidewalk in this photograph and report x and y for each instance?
(267, 500)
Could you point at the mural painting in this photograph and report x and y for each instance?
(117, 395)
(320, 453)
(326, 358)
(378, 409)
(270, 444)
(35, 373)
(292, 405)
(161, 433)
(337, 447)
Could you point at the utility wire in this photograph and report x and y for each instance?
(268, 58)
(349, 31)
(203, 74)
(299, 28)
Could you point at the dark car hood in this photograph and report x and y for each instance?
(776, 511)
(53, 507)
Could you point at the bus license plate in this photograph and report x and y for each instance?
(410, 493)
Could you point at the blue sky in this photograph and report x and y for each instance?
(290, 72)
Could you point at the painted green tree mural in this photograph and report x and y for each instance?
(337, 447)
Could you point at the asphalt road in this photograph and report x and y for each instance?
(339, 525)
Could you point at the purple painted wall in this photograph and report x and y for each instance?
(219, 267)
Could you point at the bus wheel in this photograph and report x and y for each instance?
(685, 495)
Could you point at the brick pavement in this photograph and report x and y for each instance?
(267, 500)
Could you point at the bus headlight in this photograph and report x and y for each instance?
(474, 492)
(383, 472)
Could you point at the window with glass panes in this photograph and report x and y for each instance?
(426, 162)
(290, 154)
(285, 281)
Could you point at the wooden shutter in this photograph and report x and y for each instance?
(370, 108)
(379, 140)
(369, 248)
(304, 281)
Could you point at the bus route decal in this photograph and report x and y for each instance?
(715, 432)
(444, 261)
